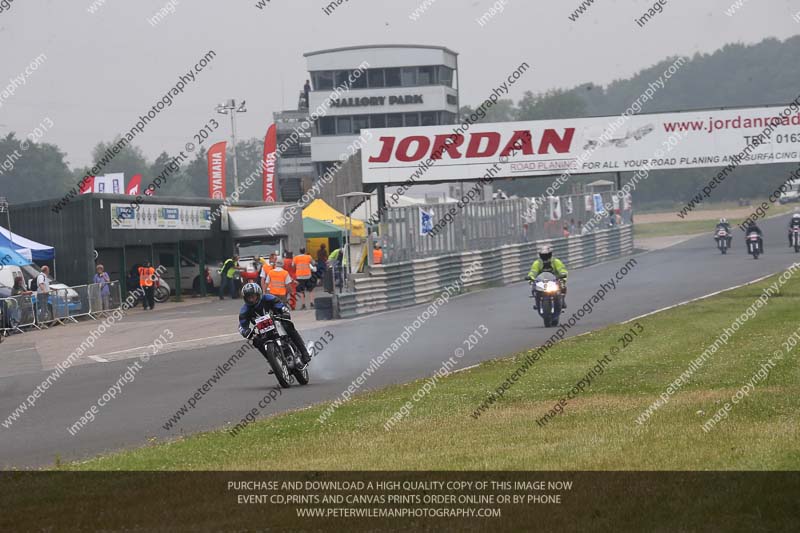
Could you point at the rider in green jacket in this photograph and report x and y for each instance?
(548, 263)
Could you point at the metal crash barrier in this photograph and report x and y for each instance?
(79, 301)
(16, 312)
(103, 298)
(58, 306)
(52, 307)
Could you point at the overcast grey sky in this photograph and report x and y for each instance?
(105, 69)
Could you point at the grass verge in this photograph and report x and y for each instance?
(700, 221)
(670, 229)
(597, 431)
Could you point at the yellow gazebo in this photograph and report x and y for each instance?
(320, 210)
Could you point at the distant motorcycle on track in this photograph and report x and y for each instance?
(796, 239)
(755, 245)
(722, 237)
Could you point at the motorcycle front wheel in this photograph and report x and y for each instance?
(545, 304)
(278, 366)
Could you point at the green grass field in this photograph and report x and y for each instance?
(597, 431)
(669, 229)
(702, 220)
(672, 207)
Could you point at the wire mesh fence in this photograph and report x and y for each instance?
(419, 232)
(39, 309)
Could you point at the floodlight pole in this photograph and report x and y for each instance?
(4, 207)
(229, 106)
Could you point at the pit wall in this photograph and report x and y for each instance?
(395, 286)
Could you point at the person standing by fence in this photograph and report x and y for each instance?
(43, 296)
(103, 281)
(147, 280)
(322, 257)
(304, 268)
(377, 255)
(279, 281)
(265, 270)
(227, 274)
(288, 266)
(10, 309)
(335, 265)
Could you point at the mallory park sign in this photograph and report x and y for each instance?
(374, 101)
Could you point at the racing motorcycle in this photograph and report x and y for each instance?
(722, 236)
(547, 292)
(278, 347)
(754, 244)
(796, 239)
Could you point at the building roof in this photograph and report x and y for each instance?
(367, 46)
(154, 200)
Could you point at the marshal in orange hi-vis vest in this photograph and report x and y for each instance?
(277, 282)
(146, 276)
(302, 265)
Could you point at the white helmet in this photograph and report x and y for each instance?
(723, 220)
(796, 216)
(545, 252)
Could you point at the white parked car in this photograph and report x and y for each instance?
(190, 273)
(29, 272)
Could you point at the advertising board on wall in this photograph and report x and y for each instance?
(187, 217)
(582, 145)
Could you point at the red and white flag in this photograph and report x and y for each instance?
(87, 186)
(216, 171)
(270, 156)
(135, 185)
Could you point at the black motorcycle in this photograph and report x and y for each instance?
(547, 293)
(795, 233)
(723, 240)
(270, 336)
(755, 246)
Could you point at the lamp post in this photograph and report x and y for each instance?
(230, 107)
(5, 209)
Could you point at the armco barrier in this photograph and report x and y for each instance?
(394, 286)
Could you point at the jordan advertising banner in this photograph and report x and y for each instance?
(466, 151)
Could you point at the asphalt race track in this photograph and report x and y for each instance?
(661, 278)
